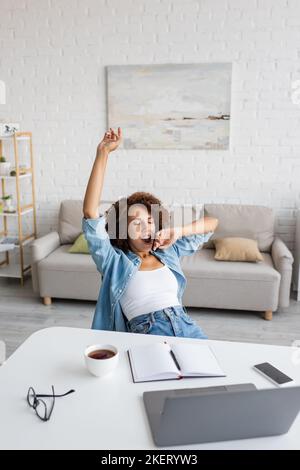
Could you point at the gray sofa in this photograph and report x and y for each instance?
(212, 284)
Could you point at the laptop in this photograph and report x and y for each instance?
(220, 413)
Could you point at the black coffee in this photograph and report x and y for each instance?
(101, 354)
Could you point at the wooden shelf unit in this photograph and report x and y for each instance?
(8, 269)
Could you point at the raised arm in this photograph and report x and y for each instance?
(166, 237)
(198, 227)
(91, 202)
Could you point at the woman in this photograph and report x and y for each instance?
(142, 280)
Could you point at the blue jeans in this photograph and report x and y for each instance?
(170, 321)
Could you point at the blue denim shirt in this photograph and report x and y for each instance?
(118, 267)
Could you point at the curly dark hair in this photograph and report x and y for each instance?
(117, 217)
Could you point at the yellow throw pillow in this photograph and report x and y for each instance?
(237, 249)
(80, 245)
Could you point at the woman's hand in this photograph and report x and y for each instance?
(110, 141)
(165, 238)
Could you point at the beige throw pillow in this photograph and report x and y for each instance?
(237, 249)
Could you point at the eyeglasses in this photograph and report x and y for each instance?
(42, 410)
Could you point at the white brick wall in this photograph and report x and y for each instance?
(53, 54)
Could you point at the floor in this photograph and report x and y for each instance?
(22, 313)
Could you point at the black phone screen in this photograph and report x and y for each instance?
(275, 374)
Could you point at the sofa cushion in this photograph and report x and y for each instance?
(61, 260)
(70, 219)
(237, 249)
(247, 221)
(202, 265)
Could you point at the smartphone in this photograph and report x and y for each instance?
(273, 374)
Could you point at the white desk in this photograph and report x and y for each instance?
(108, 413)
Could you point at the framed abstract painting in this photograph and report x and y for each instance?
(171, 106)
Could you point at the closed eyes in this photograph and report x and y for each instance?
(138, 221)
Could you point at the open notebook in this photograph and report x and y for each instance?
(162, 361)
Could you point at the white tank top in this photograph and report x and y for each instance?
(149, 291)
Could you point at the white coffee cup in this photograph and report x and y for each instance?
(101, 366)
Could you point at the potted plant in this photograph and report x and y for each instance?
(4, 166)
(22, 170)
(8, 205)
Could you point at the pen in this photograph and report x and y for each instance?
(173, 356)
(175, 360)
